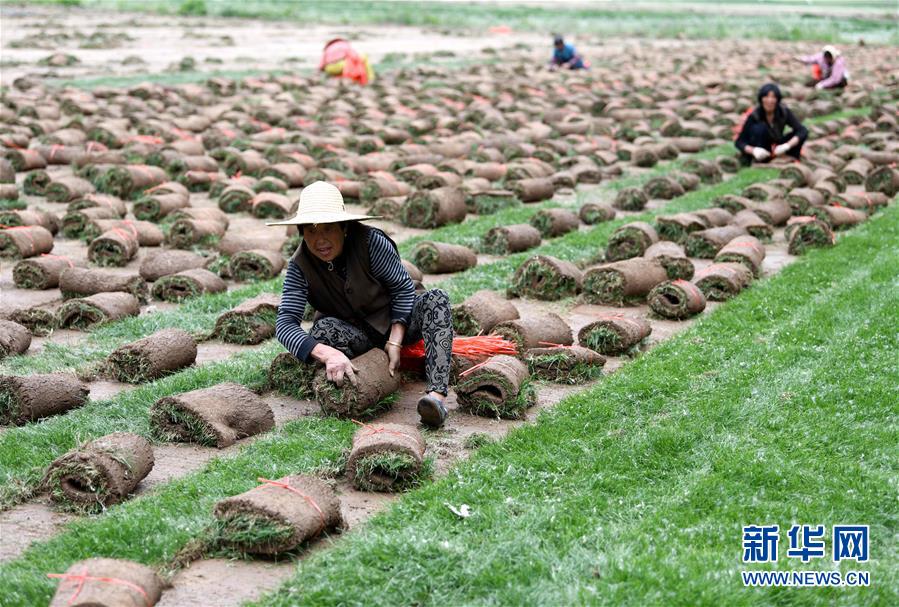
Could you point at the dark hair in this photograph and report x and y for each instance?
(769, 88)
(557, 39)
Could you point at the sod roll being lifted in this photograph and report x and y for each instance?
(216, 417)
(676, 299)
(536, 330)
(85, 313)
(515, 238)
(623, 282)
(630, 240)
(386, 457)
(152, 357)
(443, 258)
(434, 208)
(188, 283)
(672, 257)
(547, 278)
(251, 322)
(565, 364)
(40, 272)
(615, 334)
(103, 582)
(25, 398)
(290, 376)
(80, 282)
(278, 515)
(721, 281)
(482, 311)
(14, 338)
(499, 387)
(101, 473)
(371, 394)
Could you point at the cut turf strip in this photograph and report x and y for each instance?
(499, 387)
(372, 393)
(152, 357)
(387, 457)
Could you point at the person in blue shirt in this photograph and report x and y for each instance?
(564, 56)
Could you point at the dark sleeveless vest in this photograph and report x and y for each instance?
(361, 299)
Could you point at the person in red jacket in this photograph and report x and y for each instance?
(341, 60)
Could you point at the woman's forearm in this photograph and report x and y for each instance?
(397, 332)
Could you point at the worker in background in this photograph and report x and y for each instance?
(828, 68)
(763, 135)
(565, 56)
(341, 60)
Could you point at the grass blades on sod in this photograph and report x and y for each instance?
(776, 408)
(152, 528)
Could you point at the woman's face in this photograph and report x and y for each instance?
(325, 240)
(769, 101)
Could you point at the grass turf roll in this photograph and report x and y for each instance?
(489, 201)
(89, 581)
(14, 338)
(672, 257)
(25, 241)
(863, 201)
(236, 198)
(382, 187)
(256, 264)
(838, 218)
(714, 217)
(443, 258)
(67, 189)
(16, 218)
(271, 205)
(499, 387)
(546, 278)
(291, 173)
(555, 222)
(40, 272)
(721, 281)
(630, 240)
(747, 250)
(125, 180)
(482, 311)
(801, 199)
(706, 170)
(623, 282)
(39, 320)
(676, 299)
(764, 191)
(774, 212)
(677, 227)
(856, 171)
(705, 244)
(160, 354)
(631, 199)
(290, 376)
(884, 180)
(163, 263)
(536, 330)
(733, 203)
(755, 225)
(148, 234)
(596, 212)
(9, 197)
(373, 393)
(25, 159)
(115, 247)
(251, 322)
(798, 173)
(217, 416)
(26, 398)
(614, 335)
(663, 187)
(804, 233)
(75, 222)
(100, 473)
(36, 182)
(186, 232)
(85, 313)
(277, 516)
(386, 457)
(434, 208)
(188, 283)
(80, 282)
(565, 365)
(533, 189)
(200, 213)
(515, 238)
(158, 206)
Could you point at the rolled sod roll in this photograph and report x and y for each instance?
(663, 187)
(25, 398)
(372, 394)
(801, 199)
(40, 272)
(547, 278)
(482, 311)
(533, 189)
(434, 208)
(800, 174)
(746, 250)
(10, 193)
(706, 170)
(217, 416)
(15, 218)
(804, 233)
(614, 335)
(381, 187)
(677, 227)
(565, 365)
(386, 457)
(438, 180)
(563, 179)
(75, 222)
(492, 171)
(291, 173)
(102, 201)
(236, 198)
(188, 283)
(152, 357)
(490, 201)
(257, 264)
(251, 322)
(714, 217)
(278, 515)
(125, 180)
(293, 377)
(115, 247)
(39, 320)
(148, 234)
(101, 473)
(515, 238)
(733, 203)
(773, 212)
(630, 199)
(14, 338)
(672, 257)
(443, 258)
(595, 212)
(856, 171)
(233, 243)
(755, 225)
(85, 313)
(862, 201)
(676, 299)
(249, 162)
(169, 187)
(25, 159)
(838, 218)
(201, 214)
(499, 387)
(728, 164)
(185, 233)
(36, 182)
(536, 330)
(167, 262)
(157, 206)
(644, 156)
(91, 582)
(763, 191)
(555, 222)
(623, 282)
(412, 269)
(67, 189)
(8, 172)
(884, 179)
(271, 205)
(827, 189)
(705, 244)
(25, 241)
(631, 240)
(721, 281)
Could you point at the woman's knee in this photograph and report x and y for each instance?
(323, 328)
(436, 298)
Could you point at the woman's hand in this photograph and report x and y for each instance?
(393, 357)
(336, 364)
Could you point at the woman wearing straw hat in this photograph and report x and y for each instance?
(363, 296)
(828, 68)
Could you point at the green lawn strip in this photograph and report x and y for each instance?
(25, 451)
(587, 244)
(778, 407)
(847, 113)
(152, 528)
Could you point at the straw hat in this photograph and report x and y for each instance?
(834, 52)
(321, 202)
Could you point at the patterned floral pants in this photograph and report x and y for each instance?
(431, 321)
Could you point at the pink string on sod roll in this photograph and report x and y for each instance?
(81, 578)
(307, 498)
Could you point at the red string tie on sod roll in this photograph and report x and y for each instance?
(688, 286)
(63, 257)
(123, 233)
(308, 499)
(53, 149)
(262, 125)
(382, 430)
(552, 345)
(81, 578)
(11, 144)
(95, 146)
(481, 364)
(148, 139)
(27, 234)
(130, 224)
(142, 170)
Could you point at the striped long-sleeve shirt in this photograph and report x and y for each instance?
(385, 266)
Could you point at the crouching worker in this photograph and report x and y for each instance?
(564, 56)
(341, 60)
(828, 69)
(351, 274)
(762, 136)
